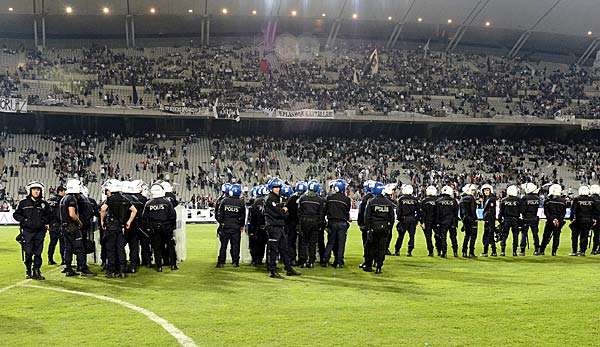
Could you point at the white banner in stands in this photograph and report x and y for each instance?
(6, 218)
(191, 111)
(204, 215)
(307, 113)
(13, 105)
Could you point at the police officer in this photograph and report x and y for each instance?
(555, 208)
(489, 220)
(427, 217)
(116, 218)
(311, 217)
(71, 225)
(88, 209)
(468, 216)
(582, 219)
(389, 191)
(232, 214)
(132, 191)
(595, 194)
(407, 212)
(364, 231)
(55, 232)
(33, 214)
(379, 219)
(446, 220)
(169, 194)
(144, 237)
(224, 193)
(257, 233)
(292, 221)
(275, 215)
(530, 204)
(509, 217)
(337, 210)
(158, 219)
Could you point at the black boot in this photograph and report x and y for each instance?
(292, 272)
(275, 274)
(87, 273)
(28, 274)
(378, 270)
(159, 269)
(175, 268)
(464, 254)
(367, 268)
(70, 273)
(37, 275)
(455, 254)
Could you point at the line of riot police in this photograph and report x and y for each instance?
(287, 224)
(125, 217)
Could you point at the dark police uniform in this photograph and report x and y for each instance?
(337, 210)
(116, 217)
(291, 225)
(510, 212)
(596, 227)
(489, 224)
(135, 234)
(427, 219)
(468, 216)
(72, 235)
(311, 216)
(217, 204)
(88, 209)
(360, 220)
(232, 215)
(379, 219)
(55, 230)
(407, 214)
(275, 225)
(257, 233)
(159, 218)
(530, 204)
(33, 215)
(582, 217)
(446, 219)
(555, 208)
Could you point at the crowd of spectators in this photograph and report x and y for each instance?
(434, 83)
(252, 160)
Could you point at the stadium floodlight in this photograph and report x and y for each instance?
(419, 19)
(323, 14)
(355, 16)
(449, 21)
(190, 11)
(69, 9)
(294, 13)
(105, 10)
(390, 18)
(487, 24)
(10, 9)
(224, 11)
(590, 33)
(254, 12)
(152, 10)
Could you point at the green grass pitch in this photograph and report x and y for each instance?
(418, 301)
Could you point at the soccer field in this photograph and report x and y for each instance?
(418, 301)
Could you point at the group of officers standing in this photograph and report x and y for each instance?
(288, 222)
(129, 214)
(291, 222)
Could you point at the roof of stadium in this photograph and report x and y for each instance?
(559, 26)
